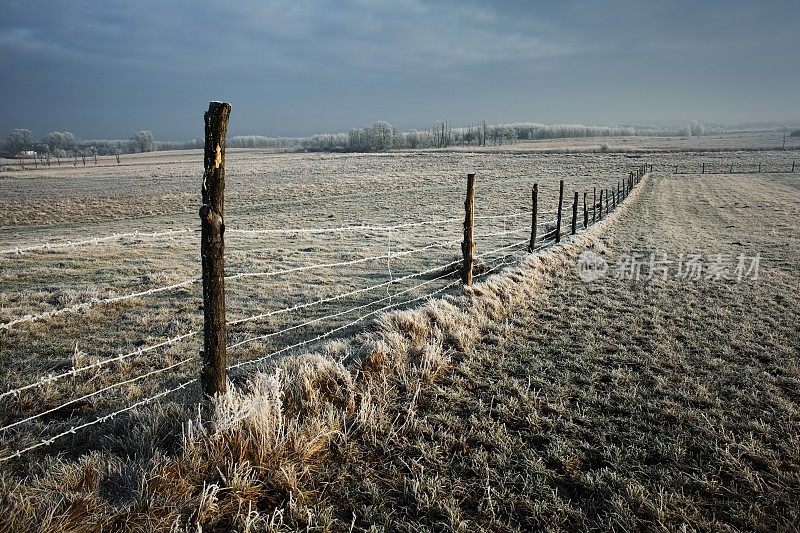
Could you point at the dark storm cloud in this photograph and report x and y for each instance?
(107, 68)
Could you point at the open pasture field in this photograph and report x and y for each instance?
(136, 298)
(133, 298)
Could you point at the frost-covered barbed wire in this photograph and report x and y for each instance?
(363, 306)
(93, 241)
(356, 321)
(369, 228)
(47, 380)
(393, 255)
(341, 229)
(94, 303)
(102, 419)
(348, 311)
(99, 420)
(75, 371)
(96, 393)
(501, 233)
(339, 296)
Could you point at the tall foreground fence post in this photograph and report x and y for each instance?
(594, 205)
(534, 208)
(212, 246)
(468, 244)
(560, 203)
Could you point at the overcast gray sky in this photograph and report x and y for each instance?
(293, 67)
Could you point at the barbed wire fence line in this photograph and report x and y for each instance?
(546, 228)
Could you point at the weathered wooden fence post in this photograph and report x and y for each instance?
(560, 203)
(704, 169)
(585, 211)
(213, 375)
(534, 208)
(575, 213)
(468, 244)
(793, 167)
(594, 205)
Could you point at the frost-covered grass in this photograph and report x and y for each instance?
(376, 403)
(153, 193)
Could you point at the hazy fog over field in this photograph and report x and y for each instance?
(296, 67)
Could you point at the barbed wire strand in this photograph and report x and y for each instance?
(271, 273)
(94, 303)
(354, 322)
(339, 296)
(75, 371)
(98, 420)
(341, 229)
(96, 393)
(96, 240)
(261, 337)
(340, 313)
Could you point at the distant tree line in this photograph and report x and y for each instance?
(383, 136)
(63, 144)
(378, 137)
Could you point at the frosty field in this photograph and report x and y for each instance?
(159, 193)
(328, 198)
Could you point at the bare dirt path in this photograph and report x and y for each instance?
(649, 404)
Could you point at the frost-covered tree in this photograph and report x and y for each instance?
(20, 140)
(381, 136)
(697, 129)
(143, 142)
(63, 140)
(442, 134)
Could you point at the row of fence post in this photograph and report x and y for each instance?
(213, 375)
(613, 196)
(731, 169)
